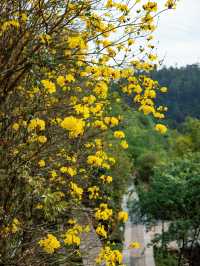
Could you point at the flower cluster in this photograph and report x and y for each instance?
(74, 125)
(109, 257)
(68, 170)
(36, 123)
(103, 212)
(76, 191)
(123, 216)
(72, 236)
(93, 192)
(49, 244)
(100, 230)
(119, 134)
(49, 86)
(161, 128)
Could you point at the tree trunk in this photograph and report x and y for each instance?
(91, 245)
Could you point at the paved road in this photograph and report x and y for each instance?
(136, 233)
(137, 257)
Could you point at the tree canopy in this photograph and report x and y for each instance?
(183, 94)
(59, 138)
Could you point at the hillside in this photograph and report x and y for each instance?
(184, 91)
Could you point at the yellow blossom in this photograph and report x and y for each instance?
(72, 221)
(24, 17)
(76, 191)
(124, 144)
(36, 123)
(112, 121)
(69, 78)
(15, 227)
(93, 192)
(147, 109)
(150, 6)
(106, 178)
(7, 24)
(39, 206)
(103, 212)
(119, 134)
(74, 125)
(152, 57)
(170, 4)
(135, 245)
(45, 38)
(100, 230)
(163, 89)
(49, 244)
(41, 163)
(150, 94)
(94, 160)
(161, 128)
(109, 4)
(101, 89)
(158, 115)
(49, 85)
(123, 216)
(131, 42)
(53, 174)
(109, 256)
(42, 139)
(61, 81)
(72, 236)
(68, 170)
(100, 124)
(15, 126)
(76, 42)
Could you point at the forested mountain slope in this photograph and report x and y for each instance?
(183, 96)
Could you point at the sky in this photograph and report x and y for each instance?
(178, 34)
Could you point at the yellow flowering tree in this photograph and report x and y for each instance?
(57, 61)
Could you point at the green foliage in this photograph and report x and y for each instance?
(164, 258)
(173, 194)
(191, 128)
(183, 97)
(147, 148)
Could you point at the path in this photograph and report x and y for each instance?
(137, 233)
(137, 257)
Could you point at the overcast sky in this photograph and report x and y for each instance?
(179, 34)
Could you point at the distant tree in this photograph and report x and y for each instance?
(173, 195)
(183, 96)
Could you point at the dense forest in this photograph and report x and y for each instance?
(183, 96)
